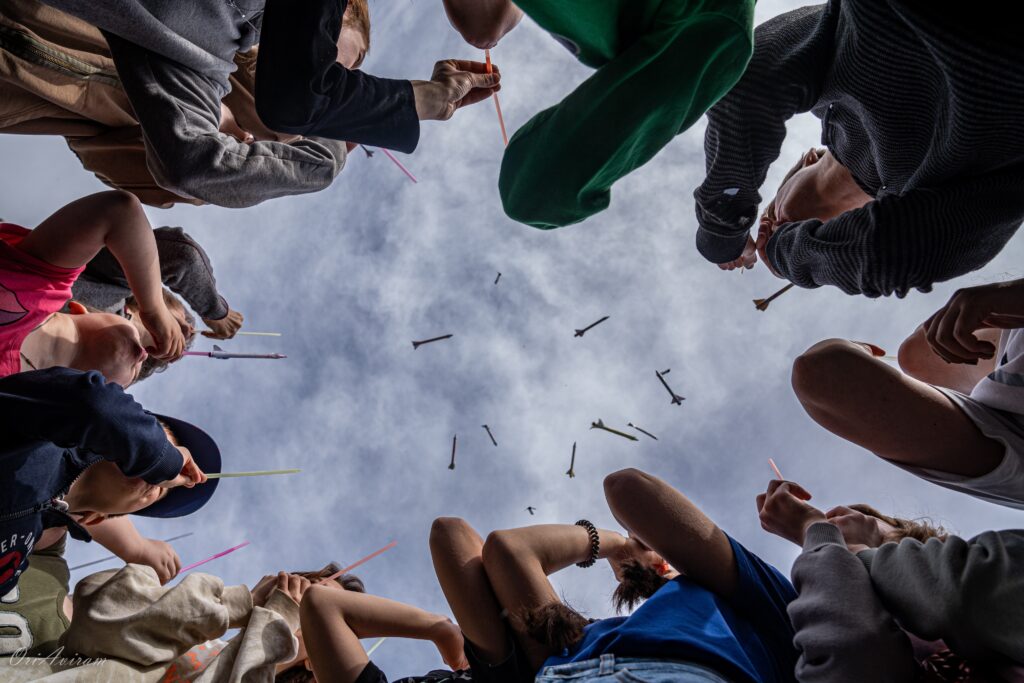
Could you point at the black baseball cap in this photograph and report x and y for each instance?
(181, 501)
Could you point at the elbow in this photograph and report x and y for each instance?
(625, 485)
(500, 550)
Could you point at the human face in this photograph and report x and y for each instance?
(820, 188)
(111, 345)
(351, 47)
(102, 489)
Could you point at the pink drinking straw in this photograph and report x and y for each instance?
(366, 559)
(775, 469)
(497, 104)
(399, 164)
(214, 557)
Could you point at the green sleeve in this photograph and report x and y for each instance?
(559, 168)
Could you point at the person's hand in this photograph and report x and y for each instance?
(225, 328)
(746, 260)
(784, 512)
(190, 474)
(950, 331)
(168, 339)
(765, 230)
(261, 591)
(229, 126)
(456, 83)
(860, 531)
(482, 23)
(160, 556)
(448, 639)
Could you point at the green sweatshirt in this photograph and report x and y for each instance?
(660, 66)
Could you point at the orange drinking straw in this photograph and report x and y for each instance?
(366, 559)
(497, 105)
(775, 469)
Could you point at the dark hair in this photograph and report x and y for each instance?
(919, 530)
(350, 582)
(151, 365)
(555, 625)
(638, 583)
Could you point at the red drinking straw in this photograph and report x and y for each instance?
(214, 557)
(497, 104)
(399, 164)
(366, 559)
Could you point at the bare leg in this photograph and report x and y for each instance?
(334, 620)
(864, 400)
(456, 549)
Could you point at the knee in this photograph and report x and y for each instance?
(817, 370)
(499, 549)
(315, 601)
(445, 528)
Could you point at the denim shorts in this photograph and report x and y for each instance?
(610, 668)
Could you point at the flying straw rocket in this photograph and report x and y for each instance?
(224, 355)
(762, 304)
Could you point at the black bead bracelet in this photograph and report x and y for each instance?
(595, 543)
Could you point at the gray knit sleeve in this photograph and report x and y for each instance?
(746, 128)
(838, 619)
(899, 242)
(969, 593)
(186, 270)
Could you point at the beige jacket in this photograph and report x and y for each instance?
(127, 628)
(57, 77)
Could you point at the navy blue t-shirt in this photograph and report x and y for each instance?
(748, 638)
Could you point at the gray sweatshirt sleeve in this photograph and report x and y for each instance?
(843, 633)
(179, 111)
(746, 128)
(184, 269)
(970, 593)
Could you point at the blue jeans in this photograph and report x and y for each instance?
(610, 668)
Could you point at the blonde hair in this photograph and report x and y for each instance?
(919, 530)
(357, 14)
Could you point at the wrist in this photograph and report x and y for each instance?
(810, 520)
(425, 96)
(611, 543)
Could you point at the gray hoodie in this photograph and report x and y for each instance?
(852, 611)
(175, 84)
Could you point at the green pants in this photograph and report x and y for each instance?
(660, 65)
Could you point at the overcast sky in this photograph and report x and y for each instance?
(353, 274)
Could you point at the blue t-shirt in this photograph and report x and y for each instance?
(748, 638)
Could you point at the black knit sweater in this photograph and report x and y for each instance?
(924, 108)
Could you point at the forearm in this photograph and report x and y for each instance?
(919, 360)
(130, 240)
(670, 524)
(548, 547)
(119, 536)
(72, 408)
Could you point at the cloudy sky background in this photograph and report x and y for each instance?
(351, 275)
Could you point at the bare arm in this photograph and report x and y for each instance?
(668, 523)
(72, 236)
(119, 536)
(334, 620)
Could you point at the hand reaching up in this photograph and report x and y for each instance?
(784, 511)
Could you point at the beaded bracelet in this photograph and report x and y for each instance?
(595, 543)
